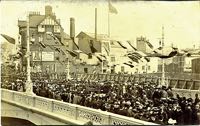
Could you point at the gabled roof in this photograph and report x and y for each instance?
(52, 17)
(92, 35)
(35, 20)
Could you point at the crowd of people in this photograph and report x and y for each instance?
(142, 100)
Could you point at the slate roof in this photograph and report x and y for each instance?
(92, 35)
(35, 20)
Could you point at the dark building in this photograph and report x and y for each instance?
(48, 42)
(141, 44)
(196, 66)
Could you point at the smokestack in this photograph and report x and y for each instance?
(72, 28)
(48, 10)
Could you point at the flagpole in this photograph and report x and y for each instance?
(163, 65)
(109, 33)
(29, 84)
(108, 20)
(96, 36)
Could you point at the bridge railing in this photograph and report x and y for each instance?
(72, 111)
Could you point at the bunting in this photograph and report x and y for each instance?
(42, 44)
(93, 50)
(99, 59)
(57, 49)
(112, 9)
(8, 38)
(73, 40)
(129, 65)
(121, 45)
(106, 50)
(71, 53)
(132, 46)
(149, 44)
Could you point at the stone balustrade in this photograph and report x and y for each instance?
(173, 82)
(68, 110)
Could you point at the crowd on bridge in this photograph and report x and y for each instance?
(142, 100)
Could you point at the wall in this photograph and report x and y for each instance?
(62, 111)
(196, 66)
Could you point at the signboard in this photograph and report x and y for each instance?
(47, 56)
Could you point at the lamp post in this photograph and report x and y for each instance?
(29, 84)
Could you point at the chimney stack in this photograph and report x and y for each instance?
(72, 27)
(48, 10)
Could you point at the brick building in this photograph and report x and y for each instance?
(48, 42)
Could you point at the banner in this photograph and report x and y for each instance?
(47, 56)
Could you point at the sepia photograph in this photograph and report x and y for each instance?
(99, 62)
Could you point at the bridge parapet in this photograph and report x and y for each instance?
(68, 110)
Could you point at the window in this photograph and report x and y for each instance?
(91, 41)
(85, 70)
(122, 68)
(48, 37)
(32, 38)
(149, 67)
(56, 28)
(112, 59)
(143, 67)
(41, 28)
(90, 56)
(40, 38)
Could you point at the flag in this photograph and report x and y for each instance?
(160, 48)
(8, 38)
(132, 46)
(93, 50)
(99, 59)
(103, 56)
(147, 59)
(129, 65)
(24, 48)
(121, 45)
(130, 62)
(20, 53)
(75, 43)
(55, 37)
(57, 49)
(137, 55)
(112, 9)
(133, 59)
(106, 50)
(71, 53)
(149, 44)
(42, 44)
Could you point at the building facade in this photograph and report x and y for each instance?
(196, 65)
(113, 60)
(141, 44)
(48, 42)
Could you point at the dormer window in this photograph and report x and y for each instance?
(56, 28)
(32, 39)
(41, 28)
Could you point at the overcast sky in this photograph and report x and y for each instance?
(181, 20)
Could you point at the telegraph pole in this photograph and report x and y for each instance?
(29, 84)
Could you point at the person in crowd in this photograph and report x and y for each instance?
(141, 100)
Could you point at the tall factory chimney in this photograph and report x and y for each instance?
(72, 27)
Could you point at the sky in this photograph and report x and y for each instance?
(181, 20)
